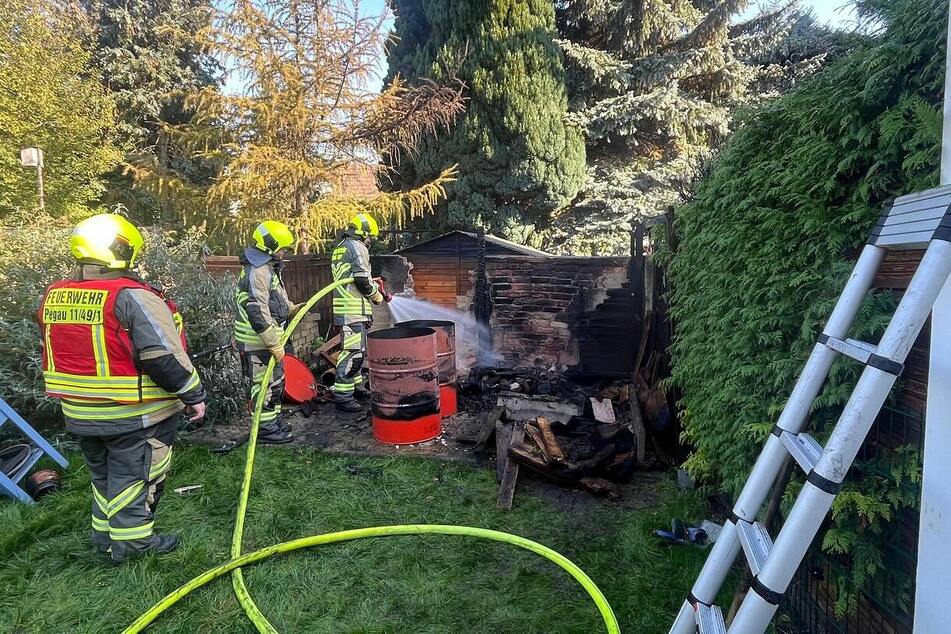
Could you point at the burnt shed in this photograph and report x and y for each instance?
(442, 265)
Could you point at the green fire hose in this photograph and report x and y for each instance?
(238, 559)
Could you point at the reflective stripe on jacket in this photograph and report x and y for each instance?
(262, 308)
(350, 259)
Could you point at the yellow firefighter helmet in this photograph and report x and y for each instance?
(106, 239)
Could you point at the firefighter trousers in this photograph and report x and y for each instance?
(353, 349)
(128, 474)
(254, 363)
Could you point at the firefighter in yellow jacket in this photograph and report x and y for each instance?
(352, 309)
(263, 311)
(114, 354)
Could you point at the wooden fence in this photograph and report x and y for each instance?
(303, 275)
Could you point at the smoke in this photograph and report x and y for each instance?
(473, 340)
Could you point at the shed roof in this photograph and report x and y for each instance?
(501, 245)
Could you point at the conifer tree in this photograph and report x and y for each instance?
(656, 85)
(519, 160)
(764, 250)
(146, 64)
(147, 60)
(300, 112)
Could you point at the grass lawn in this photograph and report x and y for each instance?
(50, 580)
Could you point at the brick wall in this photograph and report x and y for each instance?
(538, 304)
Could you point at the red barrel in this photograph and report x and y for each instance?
(445, 360)
(404, 385)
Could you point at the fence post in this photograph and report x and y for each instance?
(671, 234)
(635, 279)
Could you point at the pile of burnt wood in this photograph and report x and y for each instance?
(592, 436)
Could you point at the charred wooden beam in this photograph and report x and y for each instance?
(481, 439)
(553, 470)
(548, 436)
(637, 428)
(503, 438)
(510, 472)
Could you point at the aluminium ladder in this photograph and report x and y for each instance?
(10, 484)
(916, 221)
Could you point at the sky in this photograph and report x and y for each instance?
(835, 12)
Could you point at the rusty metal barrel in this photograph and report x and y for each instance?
(445, 359)
(404, 385)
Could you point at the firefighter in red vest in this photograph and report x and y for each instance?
(114, 354)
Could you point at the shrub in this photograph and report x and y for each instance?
(33, 254)
(765, 249)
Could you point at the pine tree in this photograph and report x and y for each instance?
(282, 143)
(518, 159)
(657, 85)
(146, 63)
(148, 60)
(764, 250)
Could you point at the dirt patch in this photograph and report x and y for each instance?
(641, 491)
(352, 434)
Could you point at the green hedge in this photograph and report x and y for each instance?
(765, 247)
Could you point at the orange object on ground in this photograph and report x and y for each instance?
(407, 432)
(448, 400)
(404, 385)
(300, 384)
(445, 360)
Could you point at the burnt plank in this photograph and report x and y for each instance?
(325, 350)
(503, 438)
(551, 443)
(510, 474)
(598, 460)
(645, 337)
(525, 457)
(637, 427)
(600, 486)
(485, 432)
(536, 437)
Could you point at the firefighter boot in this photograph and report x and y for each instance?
(347, 404)
(271, 434)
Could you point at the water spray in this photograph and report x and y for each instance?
(472, 337)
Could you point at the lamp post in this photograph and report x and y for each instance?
(33, 157)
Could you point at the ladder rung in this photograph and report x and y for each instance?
(804, 448)
(870, 347)
(710, 619)
(35, 454)
(756, 544)
(858, 350)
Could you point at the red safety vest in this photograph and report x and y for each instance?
(87, 353)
